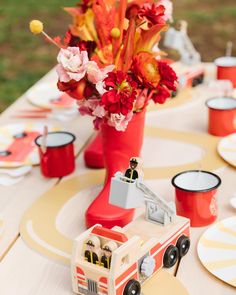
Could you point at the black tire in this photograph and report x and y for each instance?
(171, 256)
(133, 287)
(183, 245)
(174, 94)
(197, 80)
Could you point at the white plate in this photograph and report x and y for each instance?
(232, 202)
(24, 151)
(48, 96)
(217, 250)
(227, 149)
(1, 227)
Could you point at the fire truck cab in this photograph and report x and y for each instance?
(143, 248)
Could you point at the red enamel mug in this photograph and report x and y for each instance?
(226, 68)
(58, 160)
(195, 196)
(221, 115)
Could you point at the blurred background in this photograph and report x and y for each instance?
(24, 58)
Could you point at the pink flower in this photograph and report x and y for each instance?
(99, 111)
(72, 65)
(101, 87)
(119, 121)
(95, 74)
(87, 106)
(91, 107)
(169, 9)
(83, 110)
(141, 99)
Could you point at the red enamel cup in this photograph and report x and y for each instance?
(195, 196)
(221, 115)
(226, 68)
(59, 159)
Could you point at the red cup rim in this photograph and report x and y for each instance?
(56, 132)
(196, 191)
(220, 109)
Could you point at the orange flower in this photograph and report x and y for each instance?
(145, 68)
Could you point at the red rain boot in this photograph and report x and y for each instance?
(118, 148)
(93, 154)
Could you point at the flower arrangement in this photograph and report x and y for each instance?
(106, 60)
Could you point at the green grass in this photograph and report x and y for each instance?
(25, 58)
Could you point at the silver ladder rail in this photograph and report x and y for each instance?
(150, 195)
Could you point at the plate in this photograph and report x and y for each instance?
(17, 147)
(48, 96)
(227, 149)
(1, 227)
(217, 250)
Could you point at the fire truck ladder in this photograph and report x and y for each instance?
(157, 209)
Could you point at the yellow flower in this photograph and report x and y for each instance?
(115, 33)
(36, 27)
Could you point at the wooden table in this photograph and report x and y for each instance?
(24, 271)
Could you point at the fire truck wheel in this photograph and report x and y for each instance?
(183, 245)
(133, 287)
(171, 256)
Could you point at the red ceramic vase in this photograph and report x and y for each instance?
(118, 148)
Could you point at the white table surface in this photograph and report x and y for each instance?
(24, 271)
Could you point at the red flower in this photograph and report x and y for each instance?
(132, 10)
(161, 94)
(71, 40)
(84, 5)
(73, 88)
(67, 86)
(152, 13)
(121, 93)
(166, 85)
(168, 76)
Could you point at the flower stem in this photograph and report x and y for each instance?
(50, 39)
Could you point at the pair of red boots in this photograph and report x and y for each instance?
(113, 149)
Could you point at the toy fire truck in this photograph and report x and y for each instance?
(119, 261)
(189, 76)
(189, 69)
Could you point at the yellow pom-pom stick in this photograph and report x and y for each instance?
(36, 27)
(115, 33)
